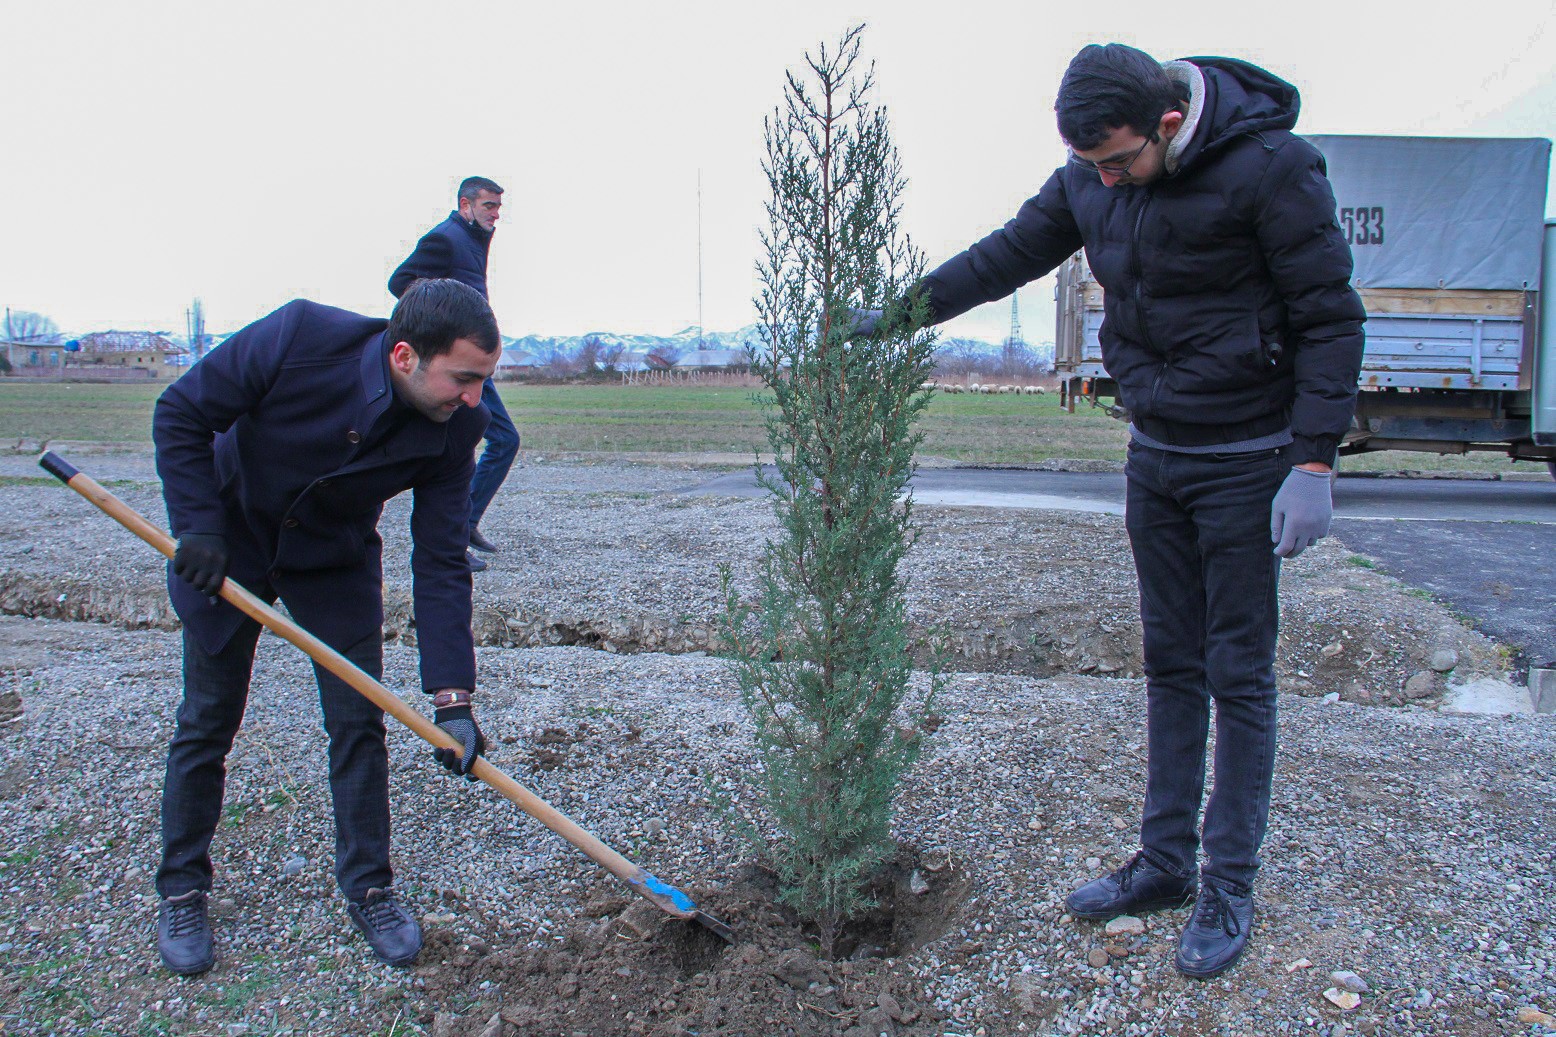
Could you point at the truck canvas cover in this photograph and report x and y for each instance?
(1434, 212)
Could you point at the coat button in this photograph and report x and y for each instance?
(290, 523)
(324, 484)
(354, 436)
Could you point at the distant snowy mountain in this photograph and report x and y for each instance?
(686, 341)
(966, 345)
(683, 341)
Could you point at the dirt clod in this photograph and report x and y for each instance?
(643, 972)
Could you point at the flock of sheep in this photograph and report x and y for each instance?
(952, 387)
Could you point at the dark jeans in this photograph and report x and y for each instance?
(215, 693)
(1199, 525)
(502, 445)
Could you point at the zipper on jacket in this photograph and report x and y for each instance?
(1145, 329)
(1135, 262)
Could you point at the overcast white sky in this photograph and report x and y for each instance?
(253, 153)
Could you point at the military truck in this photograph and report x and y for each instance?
(1450, 243)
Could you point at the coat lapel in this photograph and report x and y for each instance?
(416, 438)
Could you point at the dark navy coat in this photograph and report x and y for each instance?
(283, 440)
(1228, 307)
(455, 248)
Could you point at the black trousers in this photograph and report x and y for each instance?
(215, 694)
(1199, 526)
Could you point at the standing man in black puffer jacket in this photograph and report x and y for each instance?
(457, 248)
(1236, 341)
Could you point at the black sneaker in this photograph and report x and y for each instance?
(184, 934)
(476, 562)
(1137, 886)
(390, 930)
(1217, 933)
(480, 543)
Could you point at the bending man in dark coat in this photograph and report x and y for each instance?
(1236, 341)
(277, 452)
(458, 248)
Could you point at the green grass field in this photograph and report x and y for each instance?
(703, 419)
(680, 420)
(617, 419)
(68, 410)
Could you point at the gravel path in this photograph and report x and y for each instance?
(609, 556)
(1408, 845)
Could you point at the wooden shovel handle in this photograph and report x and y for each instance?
(666, 897)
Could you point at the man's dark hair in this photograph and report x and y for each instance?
(471, 186)
(1108, 87)
(434, 312)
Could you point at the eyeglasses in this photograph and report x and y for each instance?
(1112, 170)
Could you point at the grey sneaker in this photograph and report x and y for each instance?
(184, 934)
(390, 930)
(476, 562)
(480, 543)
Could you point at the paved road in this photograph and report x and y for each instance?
(1355, 496)
(1501, 574)
(1487, 548)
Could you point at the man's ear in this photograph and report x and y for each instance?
(1171, 123)
(403, 358)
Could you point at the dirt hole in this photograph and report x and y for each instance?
(622, 967)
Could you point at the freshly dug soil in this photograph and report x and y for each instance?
(627, 968)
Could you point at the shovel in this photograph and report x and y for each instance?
(661, 894)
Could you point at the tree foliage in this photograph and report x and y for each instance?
(24, 324)
(824, 657)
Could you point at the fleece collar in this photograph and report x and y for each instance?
(1185, 74)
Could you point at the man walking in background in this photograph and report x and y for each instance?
(1236, 340)
(458, 248)
(277, 452)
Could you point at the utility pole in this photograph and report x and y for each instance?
(699, 259)
(1015, 322)
(195, 318)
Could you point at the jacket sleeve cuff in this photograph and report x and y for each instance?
(951, 290)
(1304, 449)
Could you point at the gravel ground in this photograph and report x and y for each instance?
(1408, 845)
(609, 556)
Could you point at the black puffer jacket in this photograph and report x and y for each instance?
(454, 248)
(1229, 311)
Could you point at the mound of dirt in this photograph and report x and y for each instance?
(624, 967)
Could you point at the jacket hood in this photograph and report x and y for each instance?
(1228, 99)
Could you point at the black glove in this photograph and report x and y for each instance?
(201, 560)
(459, 722)
(864, 323)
